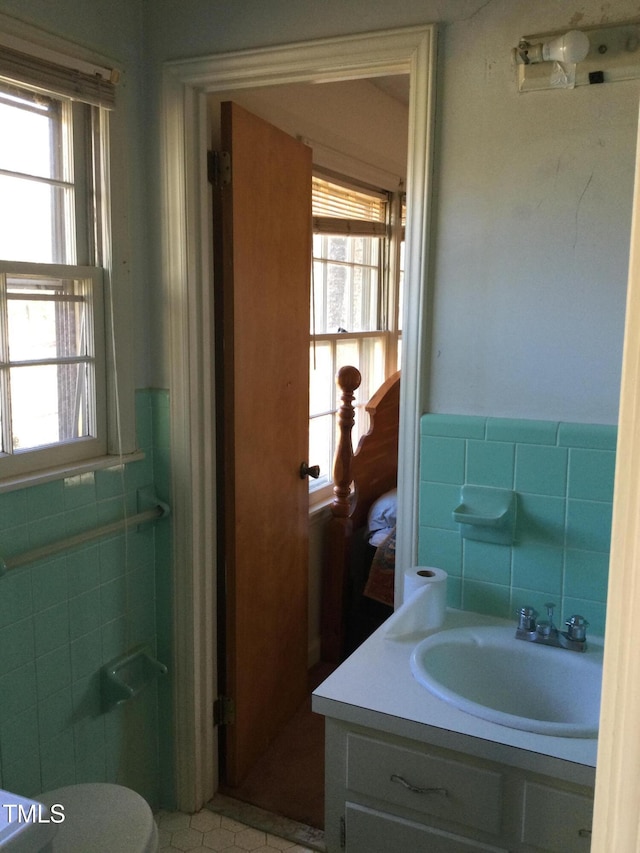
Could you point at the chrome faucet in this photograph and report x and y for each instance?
(543, 631)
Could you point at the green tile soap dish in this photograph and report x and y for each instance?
(486, 514)
(124, 677)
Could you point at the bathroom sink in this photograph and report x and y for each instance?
(486, 672)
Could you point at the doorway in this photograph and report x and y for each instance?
(187, 276)
(358, 128)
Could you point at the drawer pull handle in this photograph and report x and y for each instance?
(441, 791)
(584, 833)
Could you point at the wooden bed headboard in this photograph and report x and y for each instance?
(359, 479)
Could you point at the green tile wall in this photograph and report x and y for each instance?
(562, 474)
(62, 618)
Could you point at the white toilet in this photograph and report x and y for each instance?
(100, 818)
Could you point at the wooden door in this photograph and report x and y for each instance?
(262, 259)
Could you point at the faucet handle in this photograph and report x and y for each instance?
(527, 617)
(577, 628)
(545, 628)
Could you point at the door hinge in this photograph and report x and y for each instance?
(224, 711)
(219, 168)
(343, 833)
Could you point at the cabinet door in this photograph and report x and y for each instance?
(556, 821)
(371, 831)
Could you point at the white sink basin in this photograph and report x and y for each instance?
(486, 672)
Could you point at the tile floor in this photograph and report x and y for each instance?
(206, 832)
(230, 826)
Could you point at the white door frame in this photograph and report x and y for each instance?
(615, 825)
(188, 300)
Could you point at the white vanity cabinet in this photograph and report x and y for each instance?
(385, 793)
(407, 772)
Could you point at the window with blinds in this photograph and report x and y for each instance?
(52, 349)
(341, 209)
(354, 304)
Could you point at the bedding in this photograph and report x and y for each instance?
(381, 535)
(382, 516)
(381, 580)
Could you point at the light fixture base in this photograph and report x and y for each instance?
(614, 54)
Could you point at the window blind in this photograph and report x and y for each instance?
(345, 210)
(331, 199)
(97, 89)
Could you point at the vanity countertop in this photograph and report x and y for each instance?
(375, 688)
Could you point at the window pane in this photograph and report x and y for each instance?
(33, 221)
(45, 328)
(50, 350)
(321, 435)
(347, 352)
(49, 404)
(321, 378)
(345, 283)
(33, 143)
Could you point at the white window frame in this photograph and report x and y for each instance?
(114, 317)
(12, 464)
(389, 331)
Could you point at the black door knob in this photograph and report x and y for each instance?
(309, 471)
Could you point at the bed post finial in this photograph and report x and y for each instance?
(348, 380)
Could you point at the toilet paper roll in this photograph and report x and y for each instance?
(425, 602)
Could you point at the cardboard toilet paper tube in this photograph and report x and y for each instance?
(425, 602)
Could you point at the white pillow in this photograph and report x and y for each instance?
(383, 512)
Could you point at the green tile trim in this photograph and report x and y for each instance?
(453, 426)
(589, 526)
(442, 460)
(563, 475)
(490, 463)
(487, 562)
(437, 502)
(591, 474)
(538, 567)
(541, 470)
(540, 520)
(492, 599)
(586, 575)
(522, 431)
(62, 617)
(13, 509)
(593, 436)
(17, 645)
(440, 548)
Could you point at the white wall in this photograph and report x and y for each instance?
(532, 212)
(533, 195)
(532, 236)
(354, 127)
